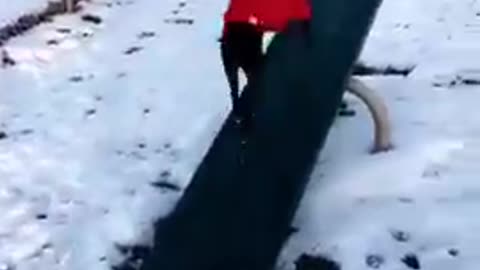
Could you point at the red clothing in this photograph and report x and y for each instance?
(268, 15)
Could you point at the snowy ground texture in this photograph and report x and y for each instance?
(10, 11)
(102, 125)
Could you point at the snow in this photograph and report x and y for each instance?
(90, 128)
(10, 12)
(427, 187)
(88, 170)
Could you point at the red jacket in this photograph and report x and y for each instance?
(268, 15)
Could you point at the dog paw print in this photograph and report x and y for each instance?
(132, 50)
(180, 21)
(7, 60)
(434, 171)
(400, 236)
(146, 34)
(453, 252)
(411, 261)
(180, 7)
(177, 18)
(375, 261)
(406, 200)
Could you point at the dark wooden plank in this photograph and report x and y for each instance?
(236, 215)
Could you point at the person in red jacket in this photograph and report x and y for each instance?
(245, 22)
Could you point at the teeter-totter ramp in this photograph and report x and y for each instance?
(237, 211)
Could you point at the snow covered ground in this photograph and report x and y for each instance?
(421, 198)
(10, 11)
(95, 119)
(90, 128)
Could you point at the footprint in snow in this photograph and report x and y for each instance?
(374, 261)
(146, 111)
(53, 42)
(168, 150)
(180, 21)
(411, 260)
(146, 34)
(182, 4)
(92, 18)
(27, 131)
(164, 182)
(41, 216)
(7, 60)
(137, 156)
(80, 78)
(121, 75)
(434, 171)
(468, 77)
(133, 50)
(64, 30)
(406, 200)
(90, 113)
(76, 78)
(400, 236)
(453, 252)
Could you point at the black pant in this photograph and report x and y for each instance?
(241, 47)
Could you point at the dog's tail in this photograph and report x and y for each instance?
(378, 110)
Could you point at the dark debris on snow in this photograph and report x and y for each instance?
(92, 18)
(411, 260)
(315, 262)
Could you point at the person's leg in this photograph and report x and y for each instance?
(241, 48)
(251, 53)
(231, 67)
(251, 61)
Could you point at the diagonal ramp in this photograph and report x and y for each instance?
(236, 213)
